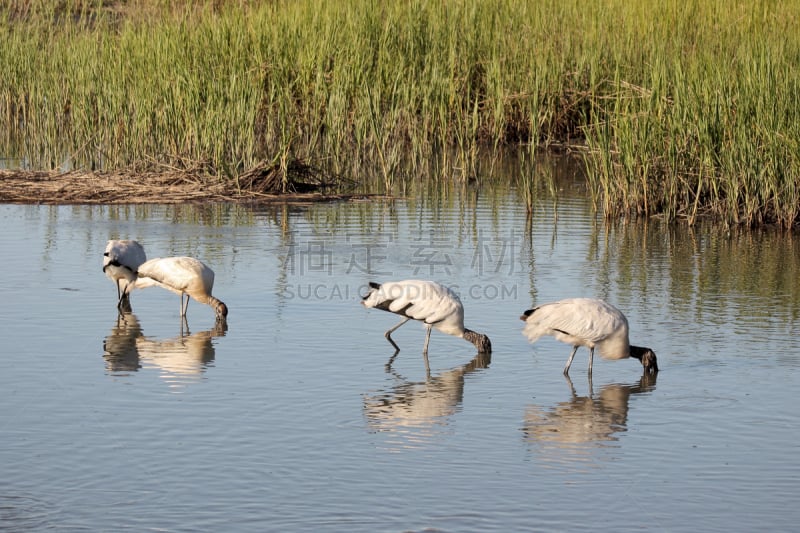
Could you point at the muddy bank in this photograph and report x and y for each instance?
(81, 187)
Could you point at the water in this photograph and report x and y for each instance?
(289, 419)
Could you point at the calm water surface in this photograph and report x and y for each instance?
(290, 420)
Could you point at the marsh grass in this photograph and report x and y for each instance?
(684, 108)
(708, 124)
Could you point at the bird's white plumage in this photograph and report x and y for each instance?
(184, 276)
(426, 301)
(177, 274)
(433, 304)
(121, 260)
(585, 322)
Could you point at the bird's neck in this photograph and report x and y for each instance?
(481, 342)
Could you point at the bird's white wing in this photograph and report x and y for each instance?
(586, 319)
(124, 253)
(435, 304)
(425, 301)
(174, 273)
(135, 254)
(428, 302)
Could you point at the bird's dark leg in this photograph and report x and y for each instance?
(124, 302)
(184, 306)
(388, 334)
(427, 339)
(569, 361)
(591, 358)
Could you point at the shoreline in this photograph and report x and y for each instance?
(117, 188)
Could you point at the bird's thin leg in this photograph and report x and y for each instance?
(591, 358)
(569, 361)
(124, 302)
(124, 305)
(185, 305)
(123, 294)
(388, 334)
(427, 339)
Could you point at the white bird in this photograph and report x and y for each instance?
(120, 262)
(587, 322)
(431, 303)
(185, 276)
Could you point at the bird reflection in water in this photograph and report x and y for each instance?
(572, 430)
(180, 359)
(417, 411)
(119, 347)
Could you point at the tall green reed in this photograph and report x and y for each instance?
(685, 109)
(707, 125)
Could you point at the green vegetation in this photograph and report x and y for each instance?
(684, 107)
(700, 115)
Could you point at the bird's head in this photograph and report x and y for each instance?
(222, 311)
(109, 261)
(370, 299)
(647, 357)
